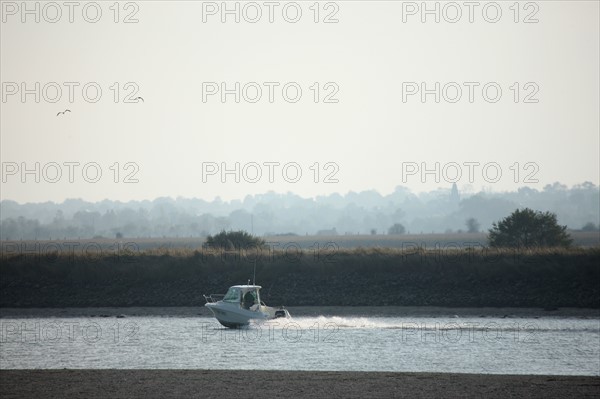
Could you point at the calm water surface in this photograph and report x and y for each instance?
(561, 346)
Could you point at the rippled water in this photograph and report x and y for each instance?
(561, 346)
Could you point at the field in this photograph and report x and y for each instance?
(313, 242)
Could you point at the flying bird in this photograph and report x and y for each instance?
(66, 110)
(139, 98)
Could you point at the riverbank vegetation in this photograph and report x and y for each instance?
(413, 276)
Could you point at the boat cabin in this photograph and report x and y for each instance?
(246, 296)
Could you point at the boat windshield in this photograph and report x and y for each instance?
(233, 295)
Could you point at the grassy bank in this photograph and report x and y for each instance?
(323, 277)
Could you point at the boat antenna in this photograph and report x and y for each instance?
(254, 277)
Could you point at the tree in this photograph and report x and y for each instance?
(472, 225)
(527, 228)
(589, 226)
(234, 239)
(396, 229)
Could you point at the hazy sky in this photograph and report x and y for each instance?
(373, 61)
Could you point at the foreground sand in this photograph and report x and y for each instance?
(292, 384)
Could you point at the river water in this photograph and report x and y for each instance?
(490, 345)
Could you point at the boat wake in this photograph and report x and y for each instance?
(425, 324)
(329, 321)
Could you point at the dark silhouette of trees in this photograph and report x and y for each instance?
(233, 240)
(472, 225)
(590, 226)
(527, 228)
(397, 229)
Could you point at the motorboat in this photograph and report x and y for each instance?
(241, 304)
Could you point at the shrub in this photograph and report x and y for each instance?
(234, 239)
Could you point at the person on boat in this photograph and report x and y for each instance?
(249, 299)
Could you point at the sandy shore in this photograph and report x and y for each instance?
(293, 384)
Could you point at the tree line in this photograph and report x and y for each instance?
(367, 212)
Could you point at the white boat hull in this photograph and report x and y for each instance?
(233, 316)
